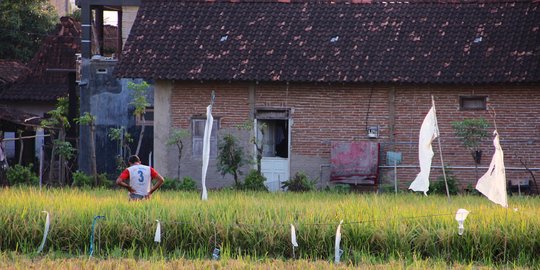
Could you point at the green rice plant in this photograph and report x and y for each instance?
(121, 261)
(377, 229)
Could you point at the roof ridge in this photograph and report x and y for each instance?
(357, 1)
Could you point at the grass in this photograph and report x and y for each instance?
(377, 230)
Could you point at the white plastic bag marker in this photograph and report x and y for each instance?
(45, 232)
(461, 215)
(206, 149)
(157, 236)
(338, 251)
(293, 237)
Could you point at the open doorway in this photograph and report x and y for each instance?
(274, 133)
(276, 138)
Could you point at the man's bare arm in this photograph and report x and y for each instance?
(120, 182)
(160, 181)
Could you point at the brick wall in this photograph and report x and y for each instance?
(516, 118)
(323, 113)
(191, 99)
(341, 112)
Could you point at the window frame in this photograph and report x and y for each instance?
(198, 139)
(149, 123)
(464, 99)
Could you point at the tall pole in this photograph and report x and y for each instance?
(440, 148)
(395, 176)
(40, 167)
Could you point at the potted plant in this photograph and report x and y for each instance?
(471, 133)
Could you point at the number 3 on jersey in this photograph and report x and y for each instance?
(141, 176)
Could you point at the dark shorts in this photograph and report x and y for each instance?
(136, 197)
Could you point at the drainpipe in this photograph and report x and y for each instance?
(86, 23)
(86, 45)
(321, 173)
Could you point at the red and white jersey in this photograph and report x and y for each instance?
(140, 178)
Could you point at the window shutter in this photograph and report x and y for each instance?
(198, 135)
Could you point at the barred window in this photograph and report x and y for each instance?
(197, 125)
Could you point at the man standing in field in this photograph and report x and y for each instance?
(140, 179)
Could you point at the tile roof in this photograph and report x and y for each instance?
(57, 51)
(11, 71)
(110, 38)
(16, 116)
(335, 41)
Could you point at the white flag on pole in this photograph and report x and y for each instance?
(45, 232)
(428, 132)
(206, 149)
(293, 236)
(337, 250)
(493, 183)
(157, 236)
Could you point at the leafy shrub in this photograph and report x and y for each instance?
(21, 175)
(105, 182)
(254, 181)
(390, 188)
(230, 157)
(471, 190)
(170, 183)
(187, 184)
(81, 179)
(299, 183)
(438, 186)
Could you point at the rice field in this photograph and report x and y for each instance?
(11, 261)
(376, 230)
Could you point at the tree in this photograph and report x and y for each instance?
(471, 133)
(23, 25)
(140, 103)
(123, 138)
(256, 140)
(89, 120)
(57, 124)
(230, 157)
(176, 138)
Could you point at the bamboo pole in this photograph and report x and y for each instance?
(395, 177)
(440, 148)
(40, 167)
(505, 259)
(25, 137)
(21, 148)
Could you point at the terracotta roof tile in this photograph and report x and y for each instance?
(335, 41)
(11, 71)
(56, 52)
(16, 116)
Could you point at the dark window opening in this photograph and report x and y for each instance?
(473, 103)
(197, 126)
(276, 138)
(148, 118)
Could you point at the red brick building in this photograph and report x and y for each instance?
(321, 72)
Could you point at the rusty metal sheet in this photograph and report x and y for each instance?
(354, 162)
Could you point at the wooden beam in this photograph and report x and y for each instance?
(114, 2)
(23, 137)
